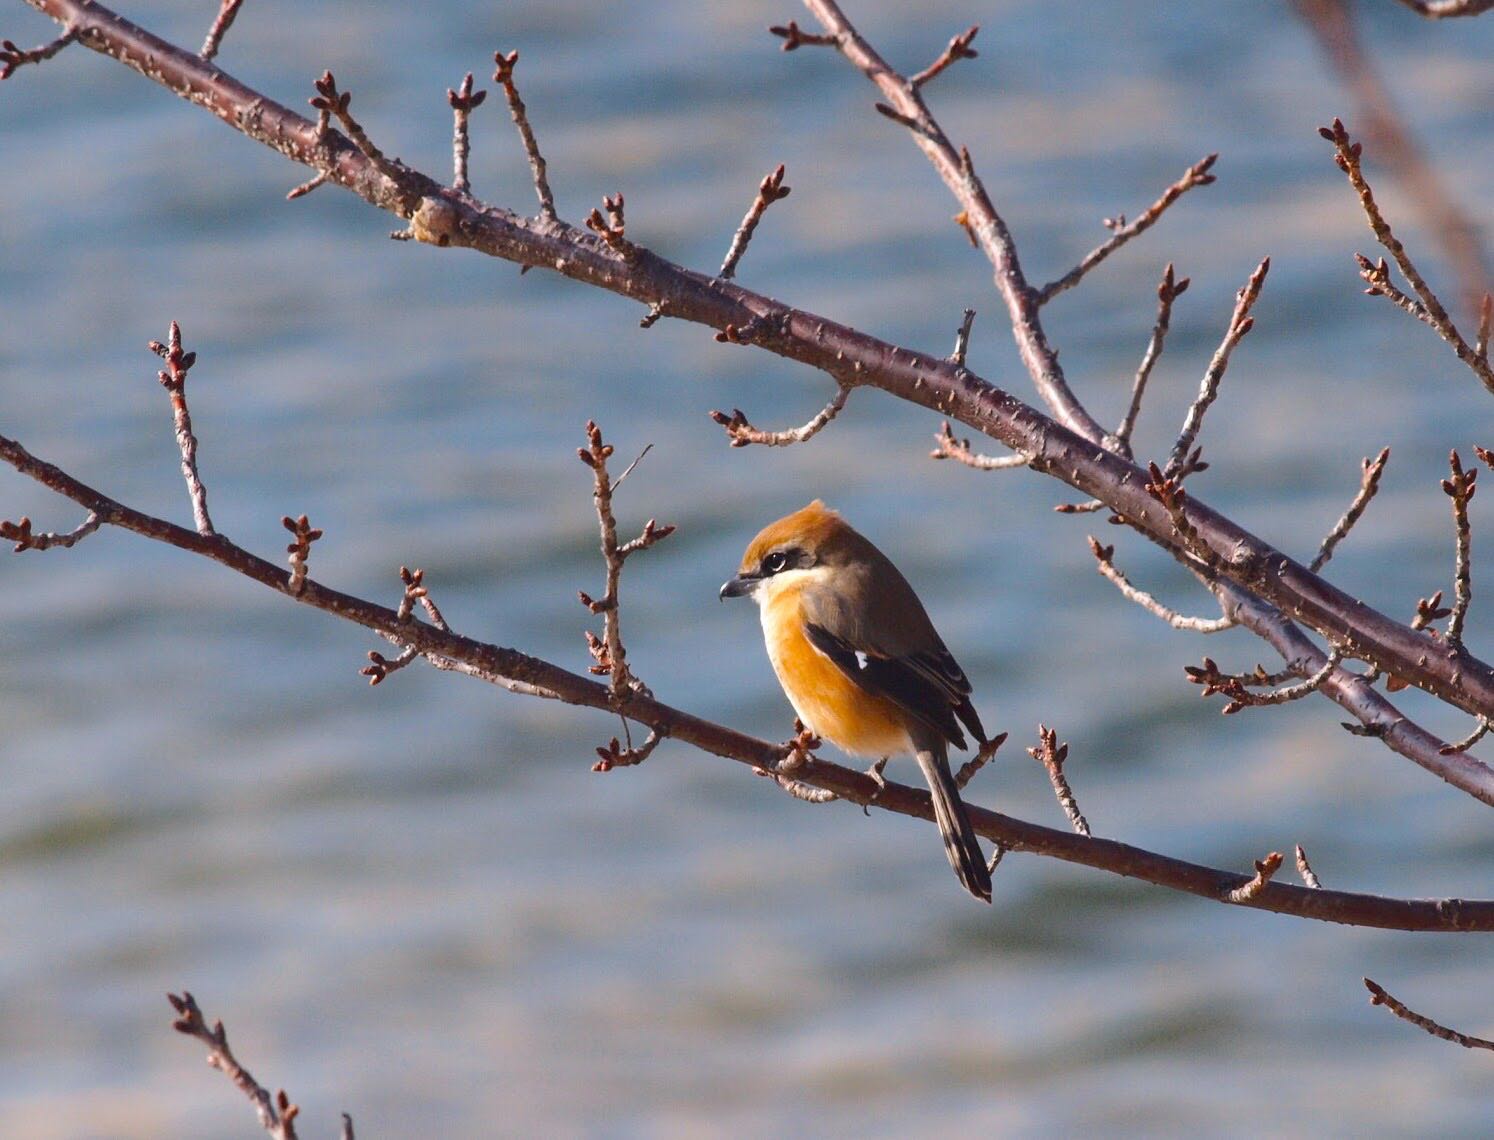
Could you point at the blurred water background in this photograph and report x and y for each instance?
(416, 902)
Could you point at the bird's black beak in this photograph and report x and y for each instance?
(738, 588)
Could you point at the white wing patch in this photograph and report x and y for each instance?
(861, 660)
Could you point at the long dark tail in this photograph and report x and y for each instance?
(960, 843)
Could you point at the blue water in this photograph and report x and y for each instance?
(416, 902)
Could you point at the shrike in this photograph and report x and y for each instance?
(860, 661)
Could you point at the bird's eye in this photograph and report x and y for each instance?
(775, 562)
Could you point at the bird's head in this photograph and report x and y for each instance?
(800, 546)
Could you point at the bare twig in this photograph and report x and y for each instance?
(415, 590)
(1304, 868)
(227, 11)
(13, 56)
(1051, 755)
(743, 433)
(1369, 483)
(983, 756)
(946, 446)
(304, 534)
(1479, 732)
(1460, 487)
(1107, 568)
(1334, 24)
(174, 380)
(610, 654)
(1168, 490)
(304, 188)
(959, 48)
(20, 533)
(1237, 687)
(613, 228)
(504, 73)
(1196, 175)
(331, 101)
(771, 189)
(1169, 289)
(463, 102)
(1378, 996)
(962, 339)
(795, 37)
(1264, 869)
(1348, 156)
(1240, 323)
(277, 1115)
(617, 755)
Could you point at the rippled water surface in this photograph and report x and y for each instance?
(416, 902)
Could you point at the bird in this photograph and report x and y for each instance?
(860, 661)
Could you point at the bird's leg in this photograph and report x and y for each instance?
(875, 772)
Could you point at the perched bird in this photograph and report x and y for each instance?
(860, 661)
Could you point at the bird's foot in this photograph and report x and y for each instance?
(875, 772)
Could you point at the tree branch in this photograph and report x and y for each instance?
(531, 676)
(1283, 590)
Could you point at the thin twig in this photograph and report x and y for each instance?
(13, 56)
(608, 651)
(20, 533)
(1051, 755)
(1169, 289)
(504, 74)
(1378, 996)
(227, 10)
(962, 339)
(330, 100)
(983, 756)
(1237, 688)
(946, 446)
(1479, 732)
(1264, 869)
(308, 186)
(1304, 868)
(743, 433)
(1107, 568)
(1369, 483)
(304, 534)
(174, 380)
(1240, 323)
(771, 189)
(1335, 24)
(1460, 487)
(795, 37)
(613, 228)
(1170, 492)
(959, 48)
(277, 1115)
(1348, 156)
(463, 102)
(1196, 175)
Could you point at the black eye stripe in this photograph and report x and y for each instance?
(777, 561)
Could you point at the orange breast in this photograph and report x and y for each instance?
(828, 702)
